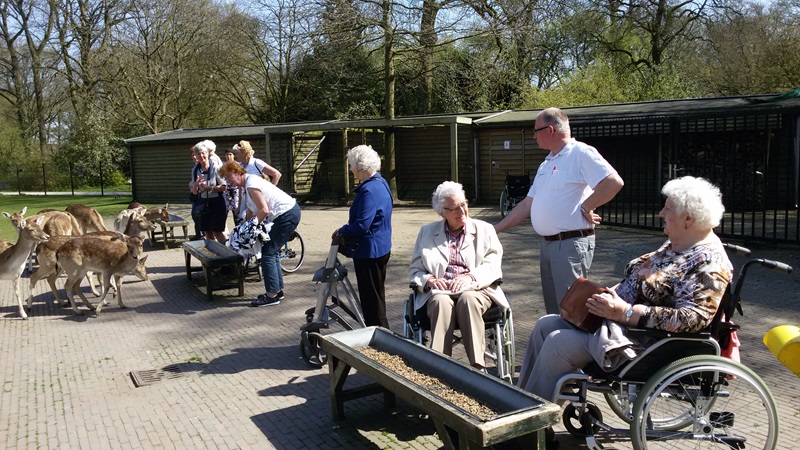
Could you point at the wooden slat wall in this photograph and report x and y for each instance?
(423, 161)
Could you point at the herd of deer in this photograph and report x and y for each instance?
(76, 242)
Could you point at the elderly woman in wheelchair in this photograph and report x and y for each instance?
(675, 291)
(455, 265)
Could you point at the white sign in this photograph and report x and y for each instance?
(506, 145)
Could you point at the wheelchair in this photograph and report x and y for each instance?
(679, 393)
(515, 190)
(499, 333)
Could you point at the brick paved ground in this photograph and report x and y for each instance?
(66, 384)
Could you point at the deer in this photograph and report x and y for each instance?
(89, 219)
(48, 267)
(152, 214)
(56, 223)
(132, 222)
(113, 258)
(136, 226)
(12, 261)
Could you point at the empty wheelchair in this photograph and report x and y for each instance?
(499, 333)
(679, 393)
(515, 190)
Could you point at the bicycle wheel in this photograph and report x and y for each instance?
(292, 254)
(505, 204)
(720, 403)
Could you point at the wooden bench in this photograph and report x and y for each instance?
(213, 255)
(520, 414)
(167, 232)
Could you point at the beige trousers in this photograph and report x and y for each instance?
(465, 311)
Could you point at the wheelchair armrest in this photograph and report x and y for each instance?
(661, 334)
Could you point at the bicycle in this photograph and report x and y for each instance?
(515, 190)
(292, 254)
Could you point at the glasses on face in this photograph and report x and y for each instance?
(461, 206)
(536, 130)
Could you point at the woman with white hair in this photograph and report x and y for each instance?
(677, 288)
(455, 264)
(209, 187)
(367, 236)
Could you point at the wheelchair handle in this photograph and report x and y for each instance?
(737, 249)
(776, 265)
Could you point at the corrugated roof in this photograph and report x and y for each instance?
(652, 110)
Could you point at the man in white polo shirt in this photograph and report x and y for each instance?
(570, 184)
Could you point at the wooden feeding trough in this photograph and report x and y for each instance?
(519, 413)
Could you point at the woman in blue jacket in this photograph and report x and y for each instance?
(368, 234)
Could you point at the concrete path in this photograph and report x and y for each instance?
(240, 381)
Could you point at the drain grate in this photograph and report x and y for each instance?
(152, 376)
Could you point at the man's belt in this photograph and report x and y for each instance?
(570, 234)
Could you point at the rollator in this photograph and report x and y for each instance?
(337, 303)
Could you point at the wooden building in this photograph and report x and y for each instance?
(749, 146)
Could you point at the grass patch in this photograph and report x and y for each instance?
(107, 206)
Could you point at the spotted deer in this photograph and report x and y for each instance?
(152, 214)
(12, 261)
(113, 258)
(48, 267)
(89, 219)
(132, 222)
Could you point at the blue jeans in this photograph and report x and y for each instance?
(282, 228)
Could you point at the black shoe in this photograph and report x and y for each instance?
(280, 295)
(263, 300)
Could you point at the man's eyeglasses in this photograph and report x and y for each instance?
(462, 206)
(536, 130)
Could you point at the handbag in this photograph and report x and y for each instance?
(348, 247)
(573, 305)
(202, 208)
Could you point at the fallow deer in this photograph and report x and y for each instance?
(113, 258)
(132, 222)
(48, 267)
(89, 219)
(12, 261)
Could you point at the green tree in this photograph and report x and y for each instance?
(750, 53)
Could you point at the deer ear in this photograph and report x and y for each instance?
(40, 220)
(142, 260)
(121, 236)
(7, 214)
(23, 210)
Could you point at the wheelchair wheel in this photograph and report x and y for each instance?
(575, 423)
(292, 254)
(505, 203)
(704, 402)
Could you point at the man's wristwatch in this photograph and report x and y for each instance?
(628, 315)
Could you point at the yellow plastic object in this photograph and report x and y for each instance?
(784, 343)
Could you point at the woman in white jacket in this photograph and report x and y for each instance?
(455, 264)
